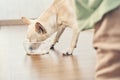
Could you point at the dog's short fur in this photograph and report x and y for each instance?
(56, 18)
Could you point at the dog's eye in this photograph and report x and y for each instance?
(26, 40)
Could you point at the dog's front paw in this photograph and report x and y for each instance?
(67, 53)
(52, 47)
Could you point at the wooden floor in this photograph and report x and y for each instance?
(16, 65)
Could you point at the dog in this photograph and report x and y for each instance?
(56, 18)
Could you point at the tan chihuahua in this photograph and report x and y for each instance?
(56, 18)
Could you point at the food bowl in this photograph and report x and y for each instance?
(33, 48)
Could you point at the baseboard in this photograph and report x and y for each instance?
(11, 22)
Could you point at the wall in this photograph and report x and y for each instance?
(14, 9)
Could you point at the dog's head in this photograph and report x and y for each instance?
(36, 32)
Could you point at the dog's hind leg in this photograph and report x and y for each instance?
(74, 41)
(59, 33)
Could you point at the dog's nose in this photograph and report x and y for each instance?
(31, 48)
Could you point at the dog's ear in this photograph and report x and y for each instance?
(39, 28)
(25, 20)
